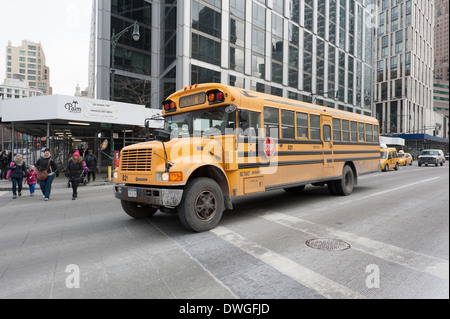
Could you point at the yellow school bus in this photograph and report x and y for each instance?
(220, 142)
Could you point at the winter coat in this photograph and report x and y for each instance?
(18, 171)
(31, 177)
(42, 163)
(91, 162)
(74, 169)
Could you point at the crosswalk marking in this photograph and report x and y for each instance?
(325, 286)
(404, 257)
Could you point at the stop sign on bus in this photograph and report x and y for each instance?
(269, 147)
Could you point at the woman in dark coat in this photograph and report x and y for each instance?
(73, 171)
(45, 162)
(18, 171)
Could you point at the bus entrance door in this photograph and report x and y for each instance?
(327, 140)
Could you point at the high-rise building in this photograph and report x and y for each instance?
(441, 67)
(441, 41)
(28, 60)
(317, 51)
(404, 67)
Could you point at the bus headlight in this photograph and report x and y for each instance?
(115, 175)
(169, 177)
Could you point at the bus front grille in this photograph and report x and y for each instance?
(138, 160)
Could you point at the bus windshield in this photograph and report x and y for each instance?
(213, 121)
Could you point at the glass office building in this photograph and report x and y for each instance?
(318, 51)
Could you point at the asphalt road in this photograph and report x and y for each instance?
(396, 224)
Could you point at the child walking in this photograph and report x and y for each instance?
(74, 170)
(32, 179)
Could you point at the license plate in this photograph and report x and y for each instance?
(132, 192)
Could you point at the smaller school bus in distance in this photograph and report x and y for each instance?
(389, 158)
(220, 142)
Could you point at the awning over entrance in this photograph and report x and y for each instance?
(63, 122)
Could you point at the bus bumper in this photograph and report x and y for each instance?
(151, 196)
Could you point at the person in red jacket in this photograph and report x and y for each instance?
(32, 179)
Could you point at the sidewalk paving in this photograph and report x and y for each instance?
(58, 182)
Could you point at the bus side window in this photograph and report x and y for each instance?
(354, 131)
(314, 127)
(250, 123)
(361, 132)
(336, 130)
(302, 125)
(375, 134)
(254, 123)
(287, 124)
(345, 131)
(271, 122)
(369, 134)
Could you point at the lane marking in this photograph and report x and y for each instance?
(417, 261)
(401, 187)
(364, 197)
(325, 286)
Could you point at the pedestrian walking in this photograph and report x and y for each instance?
(31, 179)
(73, 171)
(46, 163)
(3, 164)
(91, 162)
(18, 170)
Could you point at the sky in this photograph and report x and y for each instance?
(63, 29)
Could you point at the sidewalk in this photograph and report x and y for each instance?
(59, 182)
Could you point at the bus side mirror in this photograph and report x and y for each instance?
(161, 135)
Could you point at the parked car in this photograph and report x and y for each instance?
(431, 156)
(404, 159)
(389, 158)
(446, 156)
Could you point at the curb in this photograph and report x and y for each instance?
(57, 185)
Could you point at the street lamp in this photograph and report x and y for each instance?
(114, 39)
(314, 96)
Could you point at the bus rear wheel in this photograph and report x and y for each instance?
(345, 185)
(202, 205)
(137, 210)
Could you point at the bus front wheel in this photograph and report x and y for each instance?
(202, 205)
(137, 210)
(345, 185)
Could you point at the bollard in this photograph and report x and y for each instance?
(109, 173)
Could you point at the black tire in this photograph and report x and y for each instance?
(386, 167)
(297, 189)
(345, 185)
(396, 166)
(420, 164)
(332, 187)
(137, 210)
(442, 163)
(202, 205)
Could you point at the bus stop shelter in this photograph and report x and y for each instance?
(65, 123)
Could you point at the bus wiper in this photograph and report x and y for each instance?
(163, 136)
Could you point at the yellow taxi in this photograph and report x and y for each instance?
(404, 158)
(389, 158)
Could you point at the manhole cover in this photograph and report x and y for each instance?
(327, 244)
